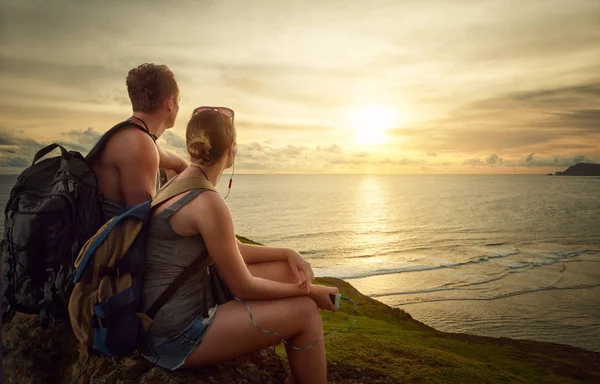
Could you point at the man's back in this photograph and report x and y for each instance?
(127, 170)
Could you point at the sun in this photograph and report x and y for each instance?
(371, 122)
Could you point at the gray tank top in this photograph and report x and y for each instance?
(167, 255)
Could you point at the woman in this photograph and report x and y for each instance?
(189, 331)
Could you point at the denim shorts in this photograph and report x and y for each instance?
(171, 352)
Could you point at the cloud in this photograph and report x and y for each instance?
(492, 80)
(584, 119)
(293, 150)
(174, 140)
(554, 161)
(474, 162)
(14, 162)
(292, 158)
(530, 160)
(290, 126)
(515, 123)
(80, 140)
(494, 159)
(333, 148)
(16, 152)
(401, 162)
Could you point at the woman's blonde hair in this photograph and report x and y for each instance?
(208, 135)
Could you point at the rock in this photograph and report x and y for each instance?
(35, 355)
(581, 169)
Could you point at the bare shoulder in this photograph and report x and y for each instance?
(210, 203)
(209, 209)
(131, 144)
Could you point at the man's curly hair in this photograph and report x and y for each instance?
(149, 85)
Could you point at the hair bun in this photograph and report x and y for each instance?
(199, 147)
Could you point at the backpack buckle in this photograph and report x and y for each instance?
(97, 322)
(109, 271)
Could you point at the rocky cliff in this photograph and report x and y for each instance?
(581, 169)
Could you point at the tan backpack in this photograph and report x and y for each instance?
(104, 305)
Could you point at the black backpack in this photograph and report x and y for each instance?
(53, 209)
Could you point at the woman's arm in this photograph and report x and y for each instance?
(212, 219)
(259, 254)
(301, 268)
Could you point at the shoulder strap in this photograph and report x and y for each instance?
(175, 187)
(171, 189)
(189, 196)
(139, 212)
(95, 151)
(176, 284)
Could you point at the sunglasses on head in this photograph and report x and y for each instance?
(224, 110)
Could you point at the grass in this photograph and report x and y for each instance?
(388, 340)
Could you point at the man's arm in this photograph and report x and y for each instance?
(136, 159)
(253, 254)
(170, 161)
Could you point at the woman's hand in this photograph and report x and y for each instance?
(320, 294)
(300, 267)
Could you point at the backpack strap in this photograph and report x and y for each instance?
(139, 212)
(95, 151)
(176, 186)
(171, 189)
(176, 284)
(46, 150)
(189, 196)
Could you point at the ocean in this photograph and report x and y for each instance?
(502, 256)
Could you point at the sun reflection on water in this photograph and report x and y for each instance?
(370, 214)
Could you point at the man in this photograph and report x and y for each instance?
(128, 166)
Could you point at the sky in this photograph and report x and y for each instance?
(412, 86)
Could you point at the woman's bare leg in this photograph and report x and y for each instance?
(277, 271)
(296, 319)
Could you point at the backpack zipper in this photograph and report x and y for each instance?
(71, 186)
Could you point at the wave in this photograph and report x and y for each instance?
(422, 268)
(502, 276)
(566, 254)
(308, 235)
(419, 249)
(560, 256)
(445, 287)
(514, 269)
(506, 295)
(401, 250)
(424, 290)
(519, 266)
